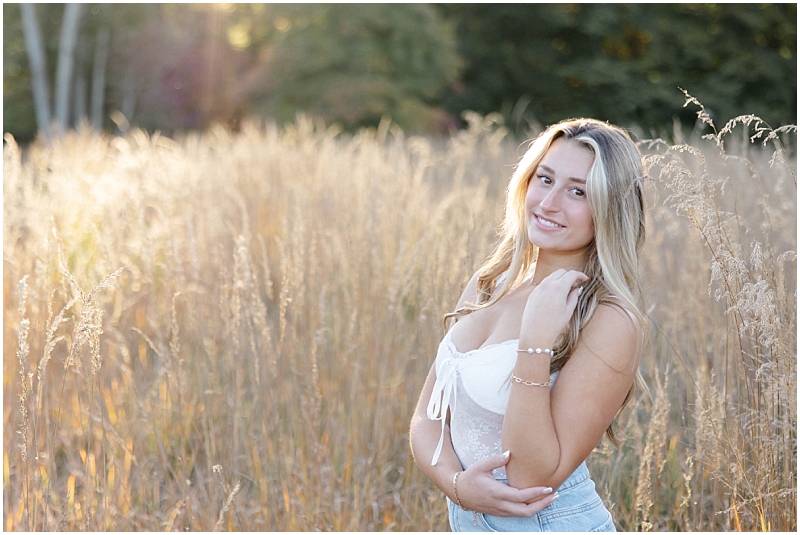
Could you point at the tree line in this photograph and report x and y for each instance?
(176, 67)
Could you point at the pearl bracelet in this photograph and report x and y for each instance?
(531, 351)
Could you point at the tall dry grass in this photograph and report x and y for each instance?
(230, 331)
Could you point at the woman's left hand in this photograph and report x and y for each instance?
(550, 307)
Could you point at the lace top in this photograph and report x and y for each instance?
(475, 387)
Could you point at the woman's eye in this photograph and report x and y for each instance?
(544, 179)
(578, 192)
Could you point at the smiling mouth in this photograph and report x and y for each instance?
(546, 223)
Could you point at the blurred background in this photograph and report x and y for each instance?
(223, 291)
(178, 67)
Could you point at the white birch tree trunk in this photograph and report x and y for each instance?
(81, 92)
(99, 78)
(80, 84)
(70, 27)
(36, 56)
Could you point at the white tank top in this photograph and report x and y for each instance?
(475, 387)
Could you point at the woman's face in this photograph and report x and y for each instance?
(559, 219)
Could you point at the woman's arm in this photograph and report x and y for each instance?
(551, 433)
(424, 438)
(477, 488)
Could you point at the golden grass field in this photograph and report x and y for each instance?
(230, 330)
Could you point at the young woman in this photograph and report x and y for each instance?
(546, 344)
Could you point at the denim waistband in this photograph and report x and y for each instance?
(579, 508)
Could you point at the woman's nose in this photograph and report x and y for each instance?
(550, 201)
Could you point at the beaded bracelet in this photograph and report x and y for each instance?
(531, 351)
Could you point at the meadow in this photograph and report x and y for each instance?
(229, 331)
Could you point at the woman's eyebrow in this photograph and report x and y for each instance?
(550, 170)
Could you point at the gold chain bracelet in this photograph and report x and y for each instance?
(455, 491)
(528, 383)
(458, 501)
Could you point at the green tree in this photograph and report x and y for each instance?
(624, 62)
(18, 113)
(354, 64)
(175, 66)
(182, 66)
(101, 58)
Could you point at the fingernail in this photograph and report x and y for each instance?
(506, 454)
(548, 490)
(555, 497)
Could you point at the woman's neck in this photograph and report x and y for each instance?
(546, 263)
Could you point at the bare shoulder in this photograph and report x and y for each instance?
(613, 335)
(470, 292)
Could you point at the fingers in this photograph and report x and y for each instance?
(562, 283)
(572, 276)
(531, 494)
(534, 507)
(479, 490)
(521, 496)
(490, 463)
(565, 279)
(573, 295)
(529, 507)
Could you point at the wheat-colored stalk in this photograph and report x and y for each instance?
(23, 349)
(281, 308)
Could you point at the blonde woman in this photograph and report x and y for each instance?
(546, 343)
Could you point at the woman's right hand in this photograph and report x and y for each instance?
(479, 491)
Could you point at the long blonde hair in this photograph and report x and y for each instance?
(614, 194)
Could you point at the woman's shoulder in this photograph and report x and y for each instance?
(612, 309)
(623, 309)
(615, 335)
(470, 292)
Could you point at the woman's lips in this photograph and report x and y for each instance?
(546, 224)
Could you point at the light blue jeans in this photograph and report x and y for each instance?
(578, 508)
